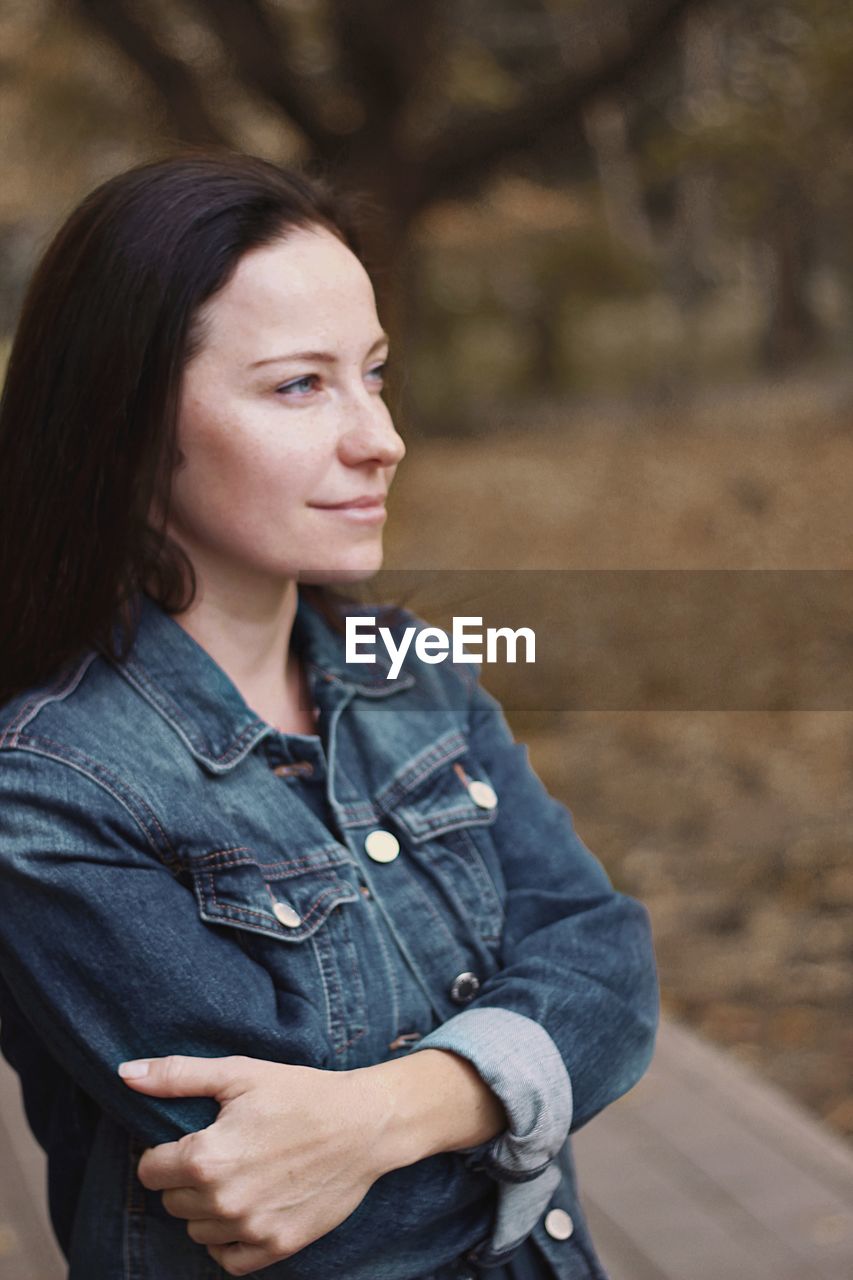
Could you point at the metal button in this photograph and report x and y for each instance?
(382, 846)
(465, 987)
(482, 794)
(285, 914)
(558, 1224)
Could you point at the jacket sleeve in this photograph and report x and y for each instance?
(568, 1023)
(103, 950)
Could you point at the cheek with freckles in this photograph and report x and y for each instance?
(251, 470)
(247, 498)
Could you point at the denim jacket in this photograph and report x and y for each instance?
(179, 876)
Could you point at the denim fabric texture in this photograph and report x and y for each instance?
(150, 821)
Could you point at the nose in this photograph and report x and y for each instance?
(369, 434)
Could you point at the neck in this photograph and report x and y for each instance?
(250, 639)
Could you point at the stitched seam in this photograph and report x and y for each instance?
(67, 684)
(32, 744)
(445, 820)
(221, 853)
(341, 775)
(357, 983)
(337, 1026)
(359, 811)
(345, 1045)
(433, 759)
(424, 898)
(379, 935)
(429, 766)
(227, 908)
(306, 863)
(445, 885)
(337, 1007)
(488, 888)
(444, 869)
(322, 970)
(169, 710)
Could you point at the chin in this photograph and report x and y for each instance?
(340, 573)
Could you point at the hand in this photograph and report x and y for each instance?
(290, 1155)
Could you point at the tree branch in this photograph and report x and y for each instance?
(469, 147)
(384, 50)
(176, 86)
(258, 49)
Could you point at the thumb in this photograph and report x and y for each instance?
(180, 1076)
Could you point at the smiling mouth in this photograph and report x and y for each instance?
(367, 513)
(358, 504)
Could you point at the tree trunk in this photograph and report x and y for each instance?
(793, 332)
(693, 242)
(606, 127)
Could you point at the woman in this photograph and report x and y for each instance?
(380, 977)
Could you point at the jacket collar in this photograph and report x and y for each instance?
(200, 701)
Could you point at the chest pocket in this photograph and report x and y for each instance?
(294, 917)
(444, 808)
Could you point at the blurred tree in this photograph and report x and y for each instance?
(764, 128)
(720, 184)
(409, 103)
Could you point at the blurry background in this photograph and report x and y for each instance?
(612, 244)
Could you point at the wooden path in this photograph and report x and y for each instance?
(706, 1172)
(702, 1172)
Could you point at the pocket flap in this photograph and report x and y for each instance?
(433, 792)
(284, 900)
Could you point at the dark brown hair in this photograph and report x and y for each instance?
(88, 417)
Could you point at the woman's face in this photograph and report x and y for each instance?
(282, 417)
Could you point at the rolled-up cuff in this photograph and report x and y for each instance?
(519, 1061)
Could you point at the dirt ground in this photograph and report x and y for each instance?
(734, 827)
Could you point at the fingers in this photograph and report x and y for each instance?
(241, 1259)
(238, 1231)
(177, 1164)
(182, 1076)
(212, 1231)
(195, 1205)
(174, 1164)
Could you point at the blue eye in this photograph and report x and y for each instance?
(298, 382)
(299, 388)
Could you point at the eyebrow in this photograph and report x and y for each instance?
(325, 357)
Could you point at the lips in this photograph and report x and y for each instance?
(367, 500)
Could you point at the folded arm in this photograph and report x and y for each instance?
(568, 1023)
(103, 950)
